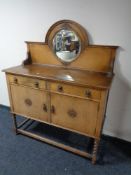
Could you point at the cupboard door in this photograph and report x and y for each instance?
(29, 102)
(74, 113)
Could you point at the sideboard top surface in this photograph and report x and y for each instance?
(61, 74)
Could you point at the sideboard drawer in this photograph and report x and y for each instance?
(75, 90)
(27, 81)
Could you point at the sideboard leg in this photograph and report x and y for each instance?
(15, 123)
(94, 153)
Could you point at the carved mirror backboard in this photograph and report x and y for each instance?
(66, 39)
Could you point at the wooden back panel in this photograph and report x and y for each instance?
(93, 58)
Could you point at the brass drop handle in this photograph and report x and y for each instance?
(88, 93)
(28, 102)
(60, 88)
(72, 113)
(52, 109)
(45, 107)
(15, 80)
(36, 84)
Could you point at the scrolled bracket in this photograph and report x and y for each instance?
(28, 60)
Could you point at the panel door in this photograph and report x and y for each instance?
(29, 102)
(74, 113)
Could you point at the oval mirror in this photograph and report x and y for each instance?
(66, 45)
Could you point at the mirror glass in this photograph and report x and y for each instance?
(66, 45)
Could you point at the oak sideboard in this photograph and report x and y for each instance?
(63, 82)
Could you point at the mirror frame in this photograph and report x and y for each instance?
(68, 25)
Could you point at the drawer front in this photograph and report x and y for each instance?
(74, 113)
(75, 90)
(27, 81)
(29, 102)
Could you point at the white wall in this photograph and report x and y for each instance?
(107, 22)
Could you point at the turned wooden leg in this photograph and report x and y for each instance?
(15, 123)
(94, 153)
